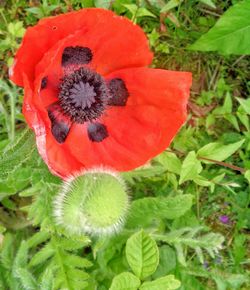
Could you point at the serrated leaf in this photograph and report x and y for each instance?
(230, 35)
(165, 283)
(16, 154)
(125, 281)
(47, 280)
(7, 251)
(191, 167)
(21, 256)
(43, 255)
(144, 210)
(76, 274)
(27, 280)
(38, 238)
(211, 242)
(218, 151)
(77, 261)
(73, 244)
(142, 254)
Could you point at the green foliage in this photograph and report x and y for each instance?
(230, 34)
(14, 155)
(138, 11)
(187, 237)
(60, 256)
(144, 211)
(170, 5)
(43, 10)
(165, 283)
(143, 257)
(125, 281)
(191, 167)
(245, 105)
(217, 151)
(142, 254)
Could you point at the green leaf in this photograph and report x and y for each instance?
(144, 210)
(27, 279)
(47, 280)
(170, 5)
(247, 175)
(138, 11)
(228, 104)
(142, 12)
(245, 104)
(209, 3)
(167, 261)
(211, 242)
(7, 250)
(218, 151)
(170, 161)
(142, 254)
(243, 117)
(38, 238)
(131, 8)
(43, 255)
(202, 181)
(77, 261)
(103, 3)
(16, 29)
(231, 33)
(191, 167)
(233, 120)
(165, 283)
(125, 281)
(17, 153)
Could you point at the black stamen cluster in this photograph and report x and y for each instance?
(83, 95)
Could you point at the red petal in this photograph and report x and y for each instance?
(167, 90)
(46, 33)
(104, 32)
(155, 111)
(121, 149)
(57, 157)
(136, 127)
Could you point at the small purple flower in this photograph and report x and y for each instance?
(224, 219)
(205, 265)
(218, 260)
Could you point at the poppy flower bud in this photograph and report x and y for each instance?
(93, 202)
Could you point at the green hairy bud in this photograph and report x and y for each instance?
(93, 202)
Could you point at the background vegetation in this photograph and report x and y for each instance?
(189, 222)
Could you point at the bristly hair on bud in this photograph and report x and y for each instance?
(94, 202)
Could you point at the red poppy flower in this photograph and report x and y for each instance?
(89, 96)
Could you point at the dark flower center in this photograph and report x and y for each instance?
(76, 55)
(83, 95)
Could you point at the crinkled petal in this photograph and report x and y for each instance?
(55, 155)
(137, 132)
(115, 41)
